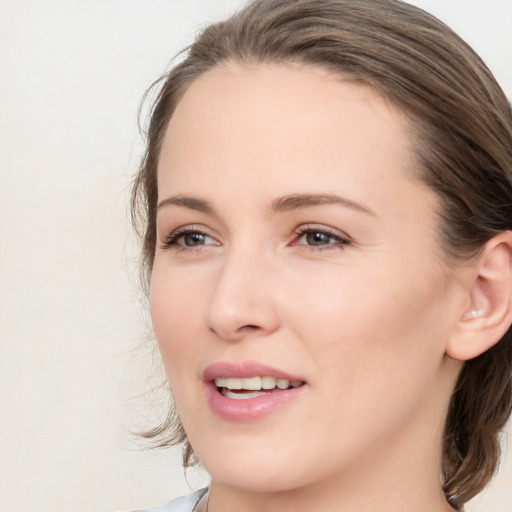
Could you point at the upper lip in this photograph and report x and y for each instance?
(245, 369)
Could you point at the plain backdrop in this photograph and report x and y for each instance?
(75, 369)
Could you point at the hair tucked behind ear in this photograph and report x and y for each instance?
(463, 144)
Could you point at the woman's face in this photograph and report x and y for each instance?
(295, 245)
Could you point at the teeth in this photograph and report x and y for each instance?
(268, 382)
(241, 396)
(255, 383)
(220, 382)
(232, 383)
(283, 383)
(252, 384)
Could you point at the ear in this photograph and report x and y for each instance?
(487, 312)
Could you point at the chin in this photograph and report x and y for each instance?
(253, 469)
(244, 477)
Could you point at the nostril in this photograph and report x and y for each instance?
(243, 328)
(248, 328)
(238, 333)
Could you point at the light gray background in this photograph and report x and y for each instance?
(72, 368)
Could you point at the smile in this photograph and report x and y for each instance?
(252, 387)
(249, 391)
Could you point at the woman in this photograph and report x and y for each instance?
(326, 210)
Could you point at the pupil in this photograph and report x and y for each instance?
(192, 239)
(317, 238)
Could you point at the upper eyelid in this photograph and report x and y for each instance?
(200, 228)
(305, 228)
(189, 228)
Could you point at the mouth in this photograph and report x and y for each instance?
(249, 391)
(246, 388)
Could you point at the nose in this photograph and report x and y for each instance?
(243, 301)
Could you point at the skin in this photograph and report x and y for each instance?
(364, 317)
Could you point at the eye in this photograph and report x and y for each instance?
(316, 238)
(188, 238)
(320, 238)
(192, 239)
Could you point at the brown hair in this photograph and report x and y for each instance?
(463, 144)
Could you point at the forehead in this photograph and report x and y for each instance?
(278, 124)
(269, 96)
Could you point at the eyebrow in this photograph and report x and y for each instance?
(296, 201)
(188, 202)
(281, 204)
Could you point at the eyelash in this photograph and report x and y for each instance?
(172, 239)
(340, 241)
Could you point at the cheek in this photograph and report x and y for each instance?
(372, 321)
(376, 344)
(175, 314)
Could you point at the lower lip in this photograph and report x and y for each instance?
(249, 409)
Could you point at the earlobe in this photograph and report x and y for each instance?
(489, 314)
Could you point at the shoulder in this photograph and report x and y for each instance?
(181, 504)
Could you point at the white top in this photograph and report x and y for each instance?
(182, 504)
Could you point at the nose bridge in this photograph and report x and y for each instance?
(242, 300)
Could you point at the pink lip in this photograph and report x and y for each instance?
(251, 409)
